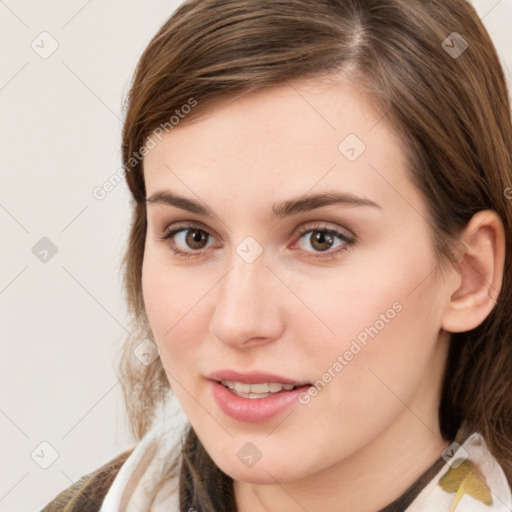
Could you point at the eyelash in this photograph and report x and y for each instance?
(167, 235)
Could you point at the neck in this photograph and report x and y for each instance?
(367, 481)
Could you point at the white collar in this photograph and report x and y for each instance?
(133, 485)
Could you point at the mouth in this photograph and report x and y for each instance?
(255, 403)
(254, 397)
(255, 391)
(255, 384)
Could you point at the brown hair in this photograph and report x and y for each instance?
(452, 111)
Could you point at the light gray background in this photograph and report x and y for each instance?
(63, 320)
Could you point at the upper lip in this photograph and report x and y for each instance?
(253, 377)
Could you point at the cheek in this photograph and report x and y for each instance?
(165, 291)
(386, 321)
(157, 299)
(377, 291)
(175, 302)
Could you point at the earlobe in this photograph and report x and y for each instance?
(480, 273)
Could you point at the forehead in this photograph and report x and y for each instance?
(280, 142)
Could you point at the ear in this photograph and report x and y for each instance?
(479, 273)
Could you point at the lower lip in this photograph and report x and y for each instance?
(254, 410)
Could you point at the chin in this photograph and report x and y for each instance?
(258, 476)
(263, 472)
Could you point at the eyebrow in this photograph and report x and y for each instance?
(279, 210)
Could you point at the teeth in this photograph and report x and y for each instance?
(260, 390)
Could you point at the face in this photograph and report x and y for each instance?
(338, 295)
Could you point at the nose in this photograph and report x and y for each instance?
(248, 309)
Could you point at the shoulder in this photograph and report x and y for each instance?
(87, 493)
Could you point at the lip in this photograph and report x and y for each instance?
(254, 410)
(253, 377)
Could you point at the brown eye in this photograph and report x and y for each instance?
(187, 241)
(321, 240)
(195, 238)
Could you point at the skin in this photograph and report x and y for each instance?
(373, 429)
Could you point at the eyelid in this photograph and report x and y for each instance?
(309, 226)
(348, 239)
(178, 227)
(326, 226)
(184, 225)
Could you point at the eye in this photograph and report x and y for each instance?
(322, 239)
(187, 236)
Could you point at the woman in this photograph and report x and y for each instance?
(317, 256)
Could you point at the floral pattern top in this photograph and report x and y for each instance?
(466, 478)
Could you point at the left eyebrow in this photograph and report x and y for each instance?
(279, 210)
(311, 202)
